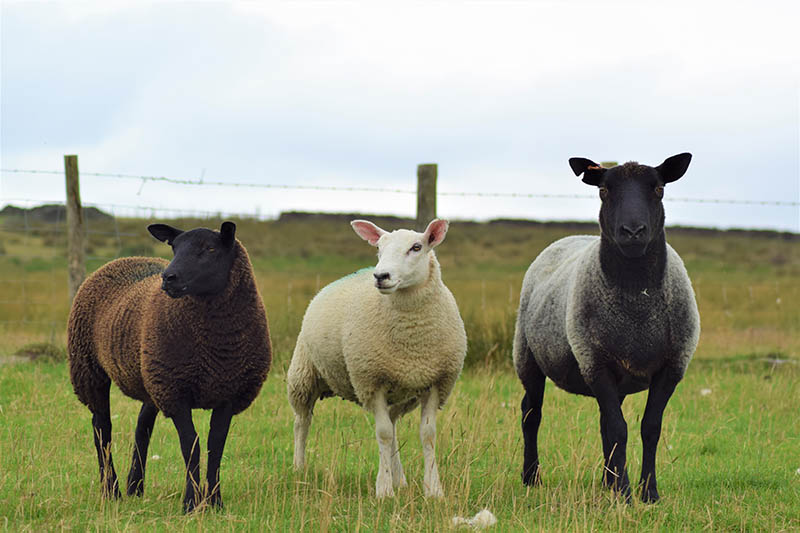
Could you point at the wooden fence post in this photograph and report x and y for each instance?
(75, 235)
(426, 195)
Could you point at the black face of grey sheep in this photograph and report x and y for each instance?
(202, 262)
(632, 213)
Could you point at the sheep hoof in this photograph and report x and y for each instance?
(384, 491)
(111, 491)
(532, 476)
(135, 487)
(435, 492)
(650, 495)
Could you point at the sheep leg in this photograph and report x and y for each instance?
(608, 447)
(398, 476)
(384, 432)
(615, 432)
(218, 433)
(531, 419)
(427, 434)
(101, 426)
(661, 389)
(144, 428)
(303, 390)
(191, 456)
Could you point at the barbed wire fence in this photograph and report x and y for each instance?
(36, 272)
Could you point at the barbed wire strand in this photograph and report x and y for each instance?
(476, 194)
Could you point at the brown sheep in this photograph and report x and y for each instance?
(191, 333)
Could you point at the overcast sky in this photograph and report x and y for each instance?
(500, 95)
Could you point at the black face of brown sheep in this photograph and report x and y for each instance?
(202, 262)
(632, 214)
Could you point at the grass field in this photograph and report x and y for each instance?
(728, 459)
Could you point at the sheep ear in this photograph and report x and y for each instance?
(435, 232)
(592, 172)
(367, 231)
(674, 167)
(227, 232)
(164, 232)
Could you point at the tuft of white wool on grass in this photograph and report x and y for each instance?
(705, 392)
(389, 338)
(482, 520)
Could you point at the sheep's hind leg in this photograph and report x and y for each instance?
(101, 429)
(220, 424)
(384, 431)
(303, 390)
(661, 389)
(533, 381)
(614, 432)
(427, 434)
(191, 456)
(144, 429)
(395, 413)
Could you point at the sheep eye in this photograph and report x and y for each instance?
(210, 249)
(603, 192)
(416, 248)
(660, 191)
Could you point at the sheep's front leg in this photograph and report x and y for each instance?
(217, 435)
(191, 456)
(427, 434)
(614, 431)
(384, 431)
(661, 389)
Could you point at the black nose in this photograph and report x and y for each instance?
(633, 233)
(169, 278)
(381, 276)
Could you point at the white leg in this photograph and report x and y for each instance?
(301, 425)
(427, 434)
(384, 431)
(398, 476)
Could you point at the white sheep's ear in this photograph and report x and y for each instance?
(367, 231)
(435, 232)
(164, 232)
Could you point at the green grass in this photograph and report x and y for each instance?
(727, 460)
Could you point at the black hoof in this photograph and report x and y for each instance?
(650, 495)
(135, 488)
(531, 476)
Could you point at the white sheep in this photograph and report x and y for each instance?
(387, 338)
(609, 316)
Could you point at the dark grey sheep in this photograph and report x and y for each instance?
(609, 316)
(177, 336)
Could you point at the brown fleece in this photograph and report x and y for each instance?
(191, 352)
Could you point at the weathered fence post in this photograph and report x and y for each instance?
(426, 195)
(75, 235)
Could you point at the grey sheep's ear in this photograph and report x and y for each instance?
(592, 172)
(164, 232)
(228, 232)
(674, 167)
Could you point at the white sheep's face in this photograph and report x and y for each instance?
(403, 255)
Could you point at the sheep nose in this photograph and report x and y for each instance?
(169, 278)
(633, 234)
(381, 276)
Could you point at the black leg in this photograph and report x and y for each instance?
(101, 425)
(661, 389)
(608, 477)
(144, 428)
(531, 406)
(220, 423)
(191, 456)
(101, 429)
(614, 432)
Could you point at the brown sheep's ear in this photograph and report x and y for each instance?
(227, 232)
(164, 232)
(592, 172)
(674, 167)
